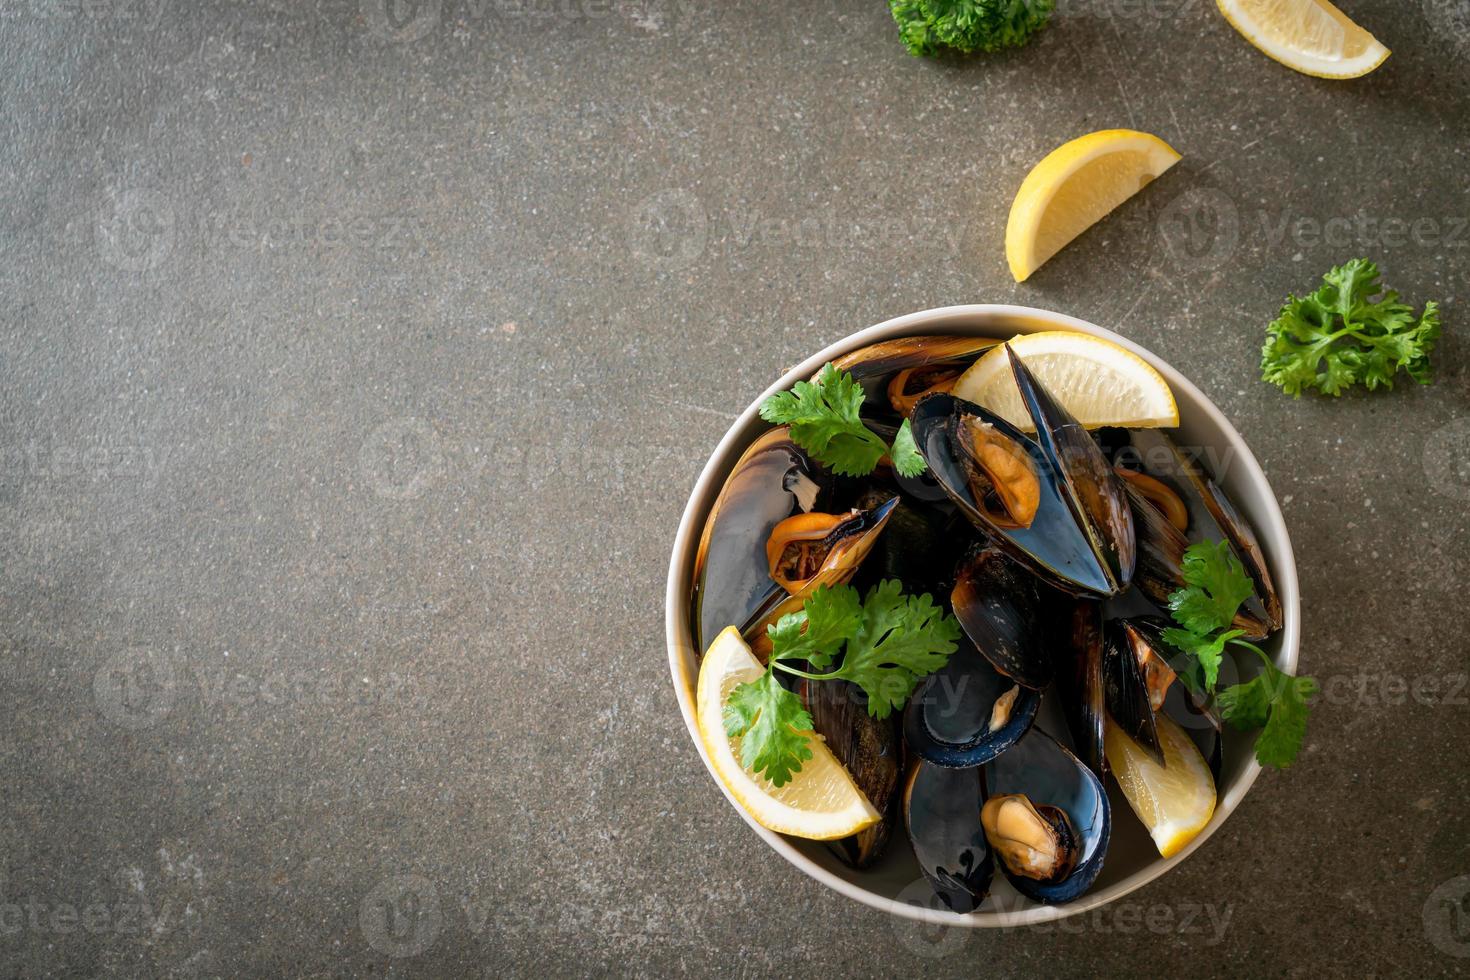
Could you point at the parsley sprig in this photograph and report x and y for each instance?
(1275, 702)
(886, 642)
(825, 419)
(1340, 336)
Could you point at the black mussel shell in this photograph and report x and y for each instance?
(772, 481)
(874, 365)
(1094, 490)
(1128, 699)
(920, 548)
(868, 748)
(1212, 517)
(856, 537)
(1077, 648)
(999, 606)
(941, 809)
(967, 713)
(1053, 547)
(1161, 665)
(1042, 769)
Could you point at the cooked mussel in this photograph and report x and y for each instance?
(967, 712)
(941, 809)
(1072, 819)
(1031, 841)
(1186, 506)
(1093, 489)
(870, 751)
(877, 365)
(772, 481)
(800, 563)
(999, 607)
(1050, 545)
(1053, 504)
(813, 545)
(1140, 682)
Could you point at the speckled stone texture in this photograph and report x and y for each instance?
(358, 358)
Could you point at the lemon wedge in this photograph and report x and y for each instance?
(1097, 381)
(821, 802)
(1176, 800)
(1312, 36)
(1074, 187)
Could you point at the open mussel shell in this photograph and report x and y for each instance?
(1076, 640)
(1161, 548)
(1131, 669)
(875, 365)
(1042, 770)
(868, 748)
(999, 607)
(941, 809)
(848, 544)
(967, 713)
(1211, 517)
(772, 481)
(1092, 488)
(1141, 682)
(1052, 545)
(920, 547)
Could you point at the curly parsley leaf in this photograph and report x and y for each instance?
(1341, 335)
(930, 27)
(1276, 703)
(825, 417)
(772, 726)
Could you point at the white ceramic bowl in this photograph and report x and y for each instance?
(895, 885)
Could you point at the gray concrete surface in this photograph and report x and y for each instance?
(355, 372)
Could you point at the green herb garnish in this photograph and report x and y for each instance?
(825, 420)
(1340, 336)
(931, 27)
(1274, 702)
(887, 643)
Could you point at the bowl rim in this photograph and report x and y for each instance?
(970, 318)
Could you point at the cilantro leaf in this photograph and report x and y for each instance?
(902, 639)
(1208, 650)
(1215, 586)
(772, 727)
(1276, 703)
(905, 452)
(828, 617)
(825, 417)
(887, 641)
(1340, 336)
